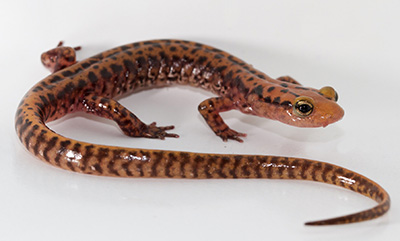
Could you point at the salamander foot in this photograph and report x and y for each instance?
(230, 134)
(158, 132)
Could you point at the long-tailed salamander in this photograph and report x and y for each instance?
(92, 85)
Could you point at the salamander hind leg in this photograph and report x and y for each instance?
(210, 110)
(126, 120)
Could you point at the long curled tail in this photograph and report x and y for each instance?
(126, 162)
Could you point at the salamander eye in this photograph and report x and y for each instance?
(303, 106)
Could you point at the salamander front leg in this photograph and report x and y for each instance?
(210, 110)
(126, 120)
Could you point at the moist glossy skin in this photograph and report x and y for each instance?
(92, 84)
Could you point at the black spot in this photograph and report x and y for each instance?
(129, 65)
(40, 105)
(40, 114)
(67, 73)
(277, 100)
(61, 151)
(24, 127)
(175, 58)
(39, 140)
(136, 45)
(65, 143)
(98, 56)
(218, 56)
(284, 85)
(194, 50)
(153, 60)
(105, 74)
(69, 88)
(157, 45)
(85, 65)
(116, 68)
(284, 90)
(60, 94)
(267, 99)
(286, 102)
(53, 112)
(172, 49)
(92, 77)
(259, 91)
(232, 59)
(141, 61)
(45, 85)
(37, 88)
(55, 79)
(261, 76)
(228, 77)
(270, 89)
(202, 59)
(44, 99)
(81, 83)
(125, 166)
(221, 68)
(49, 146)
(301, 88)
(51, 98)
(129, 53)
(123, 48)
(184, 47)
(240, 85)
(78, 70)
(250, 79)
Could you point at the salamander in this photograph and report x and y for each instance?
(92, 86)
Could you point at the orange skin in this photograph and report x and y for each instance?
(91, 86)
(325, 112)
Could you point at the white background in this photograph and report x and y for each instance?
(351, 45)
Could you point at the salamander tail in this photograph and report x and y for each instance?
(377, 211)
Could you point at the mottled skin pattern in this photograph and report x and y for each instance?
(91, 86)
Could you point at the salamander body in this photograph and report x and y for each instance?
(92, 85)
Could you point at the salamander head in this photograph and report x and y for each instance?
(299, 106)
(59, 57)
